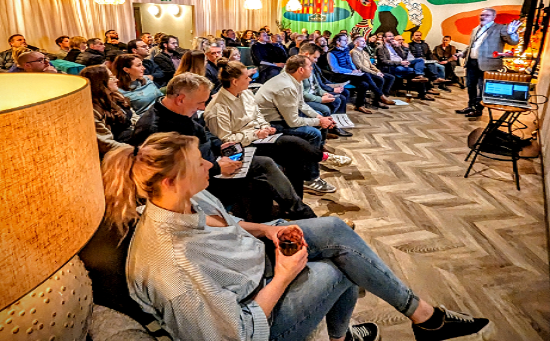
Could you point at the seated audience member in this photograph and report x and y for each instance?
(305, 32)
(153, 52)
(267, 58)
(445, 54)
(33, 61)
(420, 49)
(112, 43)
(152, 70)
(6, 57)
(248, 38)
(220, 42)
(277, 42)
(322, 62)
(110, 57)
(343, 69)
(264, 182)
(231, 39)
(77, 45)
(213, 52)
(380, 38)
(64, 47)
(94, 54)
(139, 90)
(113, 116)
(232, 54)
(147, 38)
(362, 60)
(296, 49)
(233, 116)
(15, 54)
(193, 61)
(281, 102)
(327, 34)
(371, 46)
(392, 59)
(322, 100)
(351, 44)
(323, 82)
(200, 43)
(205, 275)
(168, 59)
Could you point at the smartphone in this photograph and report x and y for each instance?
(336, 95)
(234, 152)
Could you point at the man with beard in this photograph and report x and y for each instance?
(168, 59)
(112, 43)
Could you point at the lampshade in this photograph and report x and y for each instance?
(110, 2)
(51, 192)
(153, 10)
(252, 4)
(293, 5)
(174, 9)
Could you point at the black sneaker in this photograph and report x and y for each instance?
(455, 325)
(363, 332)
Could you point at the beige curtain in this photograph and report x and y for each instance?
(41, 21)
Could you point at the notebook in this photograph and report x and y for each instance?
(501, 92)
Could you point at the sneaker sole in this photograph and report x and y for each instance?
(318, 191)
(485, 334)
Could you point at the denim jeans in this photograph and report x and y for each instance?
(416, 67)
(325, 109)
(339, 262)
(344, 95)
(437, 69)
(384, 83)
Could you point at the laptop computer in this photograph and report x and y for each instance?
(515, 94)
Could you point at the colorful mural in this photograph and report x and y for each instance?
(398, 16)
(362, 16)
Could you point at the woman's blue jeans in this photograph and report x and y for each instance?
(339, 262)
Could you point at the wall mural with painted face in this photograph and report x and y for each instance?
(434, 18)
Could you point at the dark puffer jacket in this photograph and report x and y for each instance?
(90, 57)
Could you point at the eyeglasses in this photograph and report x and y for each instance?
(40, 60)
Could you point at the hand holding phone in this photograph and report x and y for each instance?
(235, 152)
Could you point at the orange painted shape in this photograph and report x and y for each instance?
(460, 26)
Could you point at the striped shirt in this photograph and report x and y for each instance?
(195, 278)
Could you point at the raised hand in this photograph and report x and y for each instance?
(513, 26)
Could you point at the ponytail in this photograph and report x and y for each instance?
(229, 70)
(132, 173)
(120, 188)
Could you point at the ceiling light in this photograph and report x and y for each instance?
(174, 9)
(293, 5)
(253, 4)
(153, 10)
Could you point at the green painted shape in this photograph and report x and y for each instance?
(450, 2)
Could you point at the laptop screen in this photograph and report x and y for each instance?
(515, 91)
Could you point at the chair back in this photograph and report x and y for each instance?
(505, 76)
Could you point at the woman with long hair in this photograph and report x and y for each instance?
(205, 275)
(193, 61)
(247, 39)
(199, 43)
(141, 91)
(232, 54)
(77, 45)
(113, 115)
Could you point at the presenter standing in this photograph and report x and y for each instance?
(484, 40)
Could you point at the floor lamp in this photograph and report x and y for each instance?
(51, 203)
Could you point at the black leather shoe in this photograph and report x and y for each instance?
(476, 113)
(340, 132)
(444, 88)
(465, 111)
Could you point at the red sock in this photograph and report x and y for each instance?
(325, 156)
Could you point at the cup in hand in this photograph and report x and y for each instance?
(290, 240)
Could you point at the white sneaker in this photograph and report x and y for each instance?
(319, 185)
(337, 160)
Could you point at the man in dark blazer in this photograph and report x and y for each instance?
(485, 39)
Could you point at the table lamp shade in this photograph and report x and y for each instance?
(51, 192)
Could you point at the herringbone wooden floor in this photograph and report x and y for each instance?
(476, 245)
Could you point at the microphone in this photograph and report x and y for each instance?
(497, 54)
